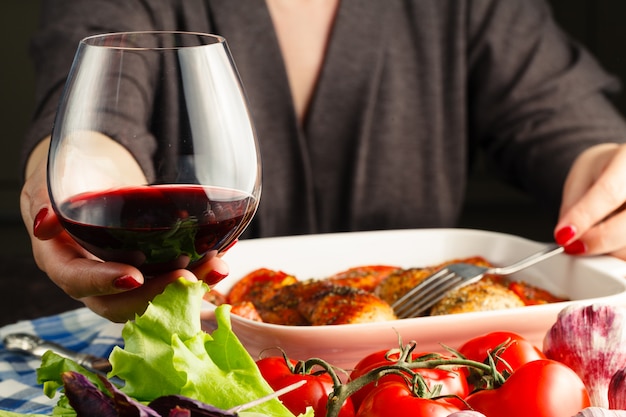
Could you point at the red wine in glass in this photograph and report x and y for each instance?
(154, 160)
(156, 228)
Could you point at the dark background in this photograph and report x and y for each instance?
(26, 293)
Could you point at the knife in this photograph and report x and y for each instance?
(35, 346)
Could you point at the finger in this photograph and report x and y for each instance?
(595, 189)
(125, 306)
(620, 253)
(580, 179)
(606, 236)
(80, 274)
(213, 270)
(82, 277)
(34, 194)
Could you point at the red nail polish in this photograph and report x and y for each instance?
(127, 282)
(213, 277)
(41, 215)
(564, 235)
(577, 247)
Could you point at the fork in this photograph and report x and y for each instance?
(434, 287)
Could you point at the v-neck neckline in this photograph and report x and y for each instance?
(351, 58)
(324, 151)
(352, 51)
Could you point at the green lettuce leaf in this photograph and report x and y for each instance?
(167, 352)
(53, 365)
(49, 374)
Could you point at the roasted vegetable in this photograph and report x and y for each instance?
(590, 339)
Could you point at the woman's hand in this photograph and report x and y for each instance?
(113, 290)
(592, 219)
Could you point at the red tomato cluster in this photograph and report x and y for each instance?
(530, 384)
(279, 373)
(450, 381)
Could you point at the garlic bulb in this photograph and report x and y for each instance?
(617, 390)
(600, 412)
(592, 341)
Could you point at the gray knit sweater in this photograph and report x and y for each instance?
(410, 89)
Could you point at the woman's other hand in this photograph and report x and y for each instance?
(592, 218)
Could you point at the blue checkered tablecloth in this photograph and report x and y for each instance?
(80, 330)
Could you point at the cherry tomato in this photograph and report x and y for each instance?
(451, 381)
(518, 352)
(541, 388)
(374, 358)
(394, 398)
(312, 394)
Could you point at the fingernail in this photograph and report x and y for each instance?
(577, 247)
(564, 235)
(127, 282)
(213, 277)
(41, 215)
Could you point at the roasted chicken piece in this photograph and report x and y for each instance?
(364, 277)
(253, 293)
(484, 295)
(246, 309)
(400, 282)
(259, 286)
(316, 302)
(282, 307)
(215, 297)
(322, 303)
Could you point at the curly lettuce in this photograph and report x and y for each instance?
(166, 352)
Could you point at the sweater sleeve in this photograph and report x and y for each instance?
(537, 98)
(63, 24)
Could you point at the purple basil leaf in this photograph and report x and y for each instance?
(125, 405)
(169, 403)
(85, 398)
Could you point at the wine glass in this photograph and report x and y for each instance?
(154, 160)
